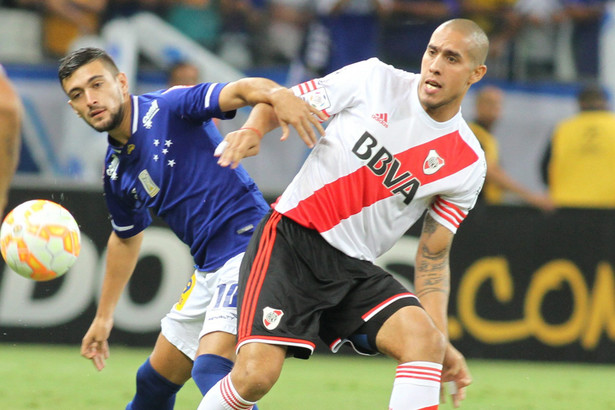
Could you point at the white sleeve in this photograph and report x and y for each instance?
(338, 90)
(451, 208)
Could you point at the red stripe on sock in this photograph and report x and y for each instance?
(418, 372)
(230, 398)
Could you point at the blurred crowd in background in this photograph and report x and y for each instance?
(528, 37)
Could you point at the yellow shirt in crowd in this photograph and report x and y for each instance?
(491, 192)
(582, 164)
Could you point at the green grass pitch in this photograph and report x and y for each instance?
(48, 377)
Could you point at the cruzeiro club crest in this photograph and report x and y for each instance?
(272, 317)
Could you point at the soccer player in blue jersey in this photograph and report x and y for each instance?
(161, 158)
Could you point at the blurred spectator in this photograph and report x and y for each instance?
(488, 112)
(183, 73)
(342, 32)
(200, 20)
(11, 4)
(243, 23)
(538, 24)
(489, 14)
(288, 21)
(579, 163)
(10, 136)
(186, 73)
(408, 27)
(128, 8)
(66, 20)
(587, 17)
(496, 17)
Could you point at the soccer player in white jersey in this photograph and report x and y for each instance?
(161, 158)
(396, 146)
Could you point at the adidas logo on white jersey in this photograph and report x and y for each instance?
(382, 119)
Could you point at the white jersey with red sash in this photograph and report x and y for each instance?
(382, 163)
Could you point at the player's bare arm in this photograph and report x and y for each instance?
(290, 110)
(432, 273)
(10, 118)
(498, 176)
(245, 142)
(432, 285)
(122, 255)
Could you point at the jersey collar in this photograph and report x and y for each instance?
(113, 143)
(425, 117)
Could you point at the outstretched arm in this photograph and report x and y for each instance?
(245, 142)
(10, 137)
(289, 109)
(263, 118)
(497, 175)
(122, 256)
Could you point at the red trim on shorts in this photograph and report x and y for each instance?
(335, 343)
(257, 276)
(275, 340)
(384, 304)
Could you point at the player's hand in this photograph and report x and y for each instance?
(543, 202)
(292, 110)
(455, 370)
(238, 145)
(94, 345)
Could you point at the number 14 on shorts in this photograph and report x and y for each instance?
(226, 295)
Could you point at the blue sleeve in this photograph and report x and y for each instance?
(199, 102)
(126, 222)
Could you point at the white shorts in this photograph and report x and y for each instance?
(207, 304)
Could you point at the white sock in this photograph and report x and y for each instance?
(416, 386)
(223, 396)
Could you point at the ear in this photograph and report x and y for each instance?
(478, 73)
(123, 80)
(71, 106)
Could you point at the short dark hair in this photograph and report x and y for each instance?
(480, 42)
(592, 96)
(74, 60)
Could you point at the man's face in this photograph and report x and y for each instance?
(96, 95)
(489, 106)
(184, 75)
(447, 71)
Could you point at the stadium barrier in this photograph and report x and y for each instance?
(525, 285)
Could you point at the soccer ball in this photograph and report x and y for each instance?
(40, 240)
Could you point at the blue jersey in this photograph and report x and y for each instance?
(168, 166)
